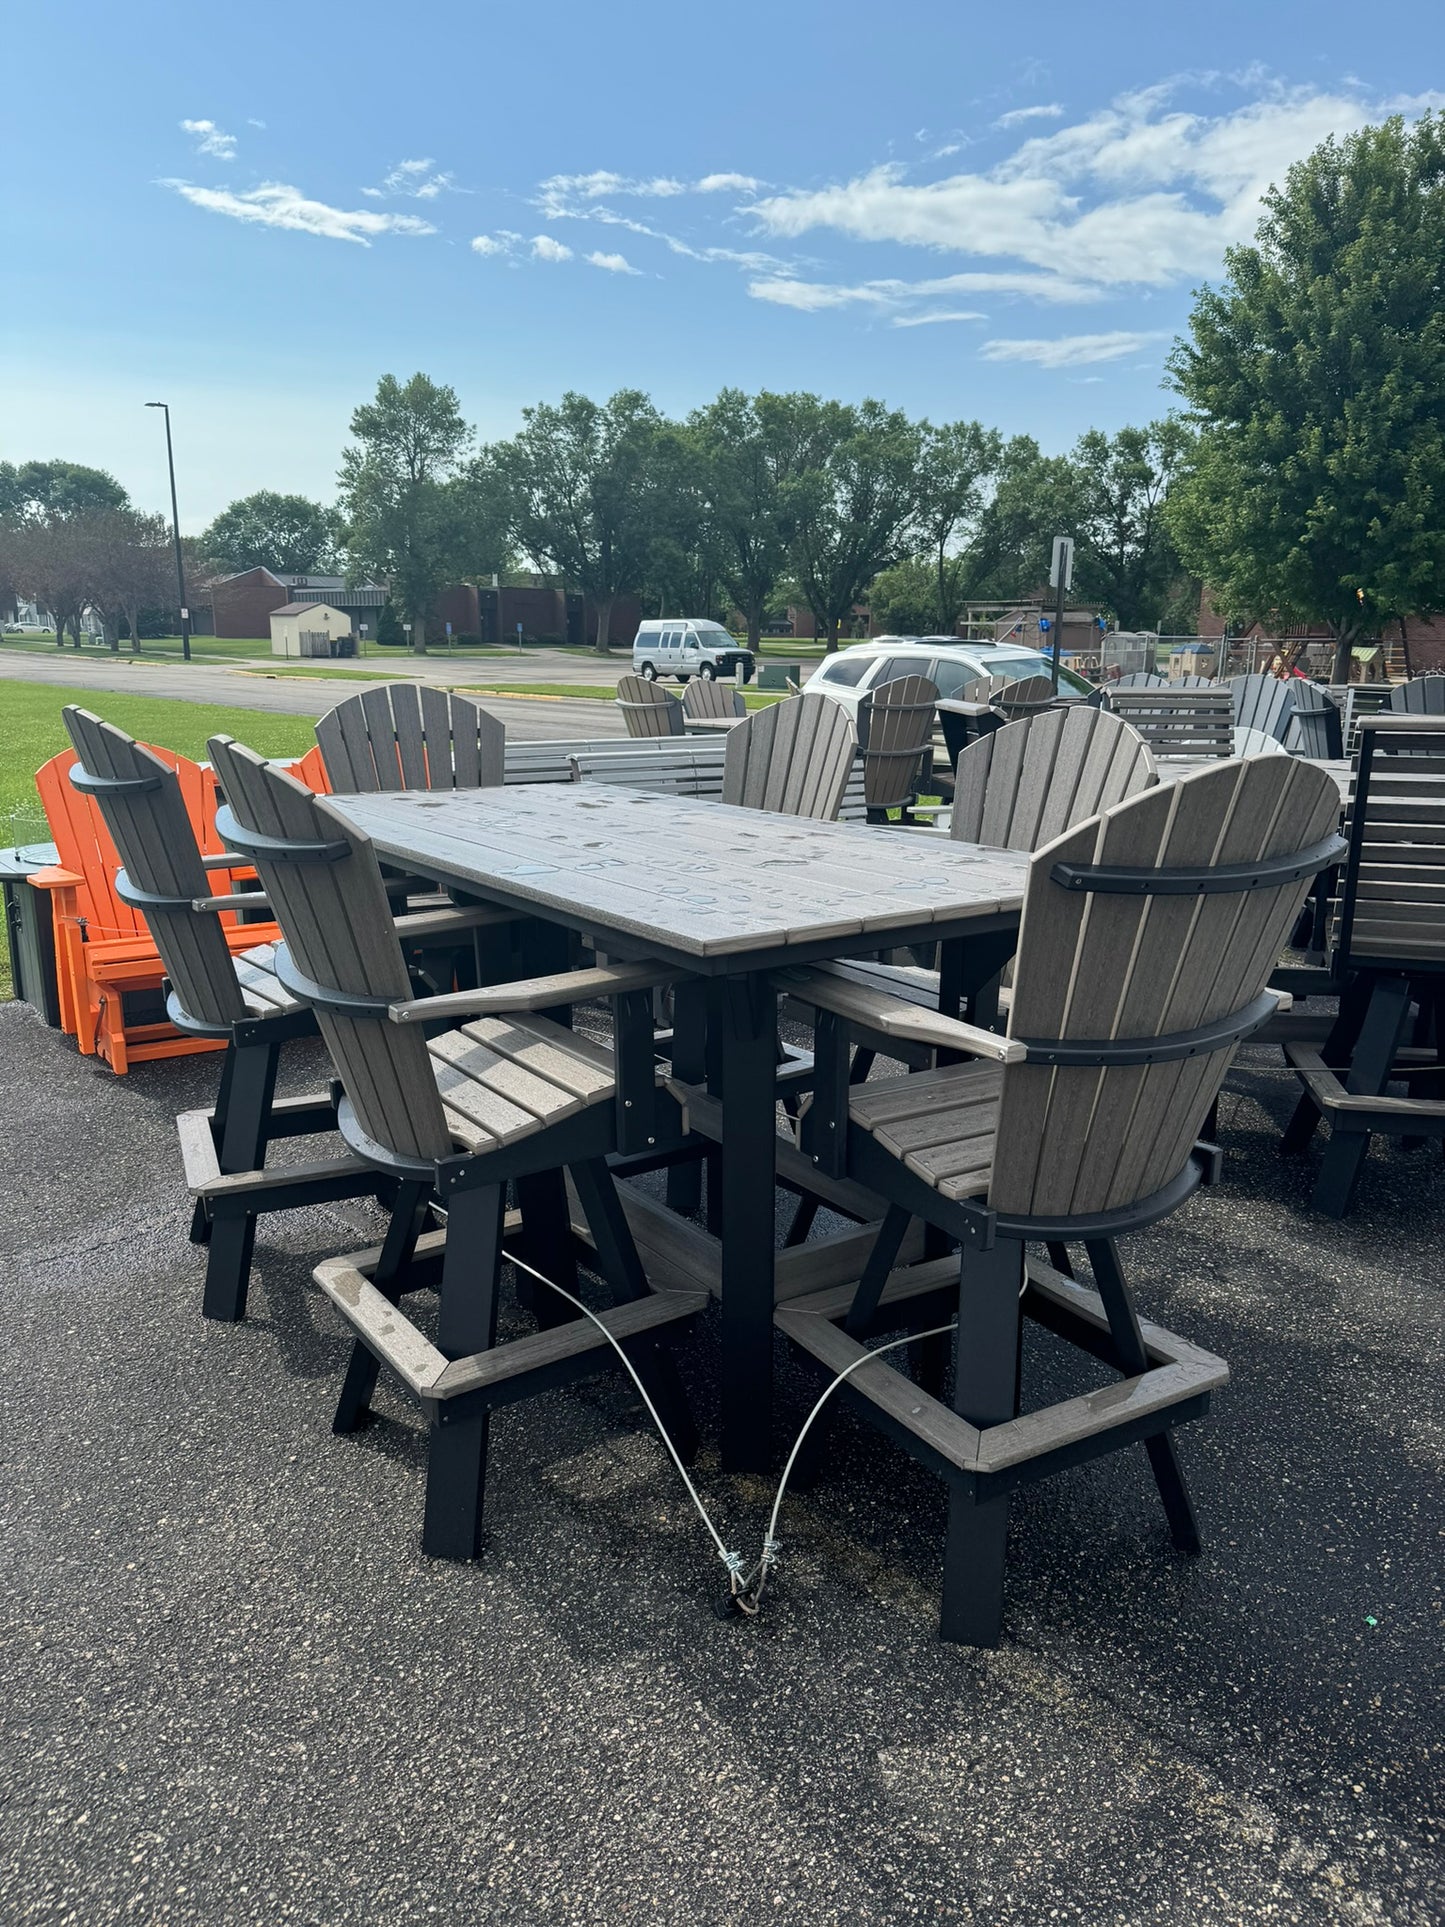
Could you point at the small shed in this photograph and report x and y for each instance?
(308, 629)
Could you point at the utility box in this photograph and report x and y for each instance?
(29, 931)
(777, 675)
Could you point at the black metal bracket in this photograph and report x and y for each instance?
(1267, 873)
(146, 899)
(275, 849)
(1072, 1052)
(81, 779)
(344, 1003)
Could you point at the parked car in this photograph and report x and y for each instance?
(684, 646)
(849, 675)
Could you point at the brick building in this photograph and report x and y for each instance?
(242, 605)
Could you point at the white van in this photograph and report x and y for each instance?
(684, 646)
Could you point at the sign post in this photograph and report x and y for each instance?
(1061, 577)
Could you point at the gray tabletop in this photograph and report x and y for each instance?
(697, 878)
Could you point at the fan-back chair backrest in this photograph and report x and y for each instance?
(895, 727)
(327, 894)
(793, 757)
(1023, 696)
(647, 708)
(1099, 965)
(1424, 696)
(1030, 781)
(984, 689)
(1357, 699)
(1257, 742)
(1392, 893)
(1263, 702)
(1139, 679)
(1179, 722)
(138, 796)
(407, 736)
(84, 845)
(705, 697)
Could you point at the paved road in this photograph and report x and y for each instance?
(528, 719)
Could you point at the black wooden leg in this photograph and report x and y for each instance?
(862, 1064)
(200, 1224)
(223, 1094)
(986, 1349)
(802, 1224)
(253, 1085)
(228, 1265)
(1059, 1258)
(1133, 1359)
(689, 1066)
(881, 1260)
(457, 1459)
(1374, 1054)
(621, 1266)
(546, 1243)
(408, 1217)
(747, 1008)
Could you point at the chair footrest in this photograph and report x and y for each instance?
(1397, 1116)
(510, 1371)
(206, 1180)
(1176, 1386)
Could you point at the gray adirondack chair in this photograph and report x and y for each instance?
(708, 703)
(213, 989)
(410, 737)
(895, 730)
(1139, 679)
(1386, 950)
(1357, 699)
(1263, 702)
(1148, 935)
(1177, 721)
(648, 709)
(509, 1096)
(1025, 696)
(1318, 725)
(1422, 696)
(793, 757)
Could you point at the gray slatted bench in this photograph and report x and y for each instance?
(1179, 722)
(685, 767)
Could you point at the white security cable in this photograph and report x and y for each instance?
(746, 1588)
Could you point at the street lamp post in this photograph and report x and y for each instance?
(176, 533)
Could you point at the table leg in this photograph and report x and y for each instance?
(747, 1012)
(689, 1066)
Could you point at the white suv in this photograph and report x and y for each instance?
(847, 677)
(685, 646)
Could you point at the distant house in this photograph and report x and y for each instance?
(307, 629)
(243, 604)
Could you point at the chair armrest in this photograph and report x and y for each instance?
(536, 993)
(956, 706)
(224, 860)
(456, 916)
(238, 900)
(893, 1016)
(54, 877)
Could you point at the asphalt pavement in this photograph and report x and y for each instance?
(233, 1691)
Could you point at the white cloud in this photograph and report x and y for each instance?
(255, 123)
(727, 184)
(614, 263)
(787, 291)
(809, 296)
(210, 139)
(1138, 194)
(545, 248)
(937, 314)
(489, 244)
(560, 193)
(413, 179)
(274, 204)
(1072, 351)
(1016, 116)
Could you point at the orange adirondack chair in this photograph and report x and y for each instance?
(103, 950)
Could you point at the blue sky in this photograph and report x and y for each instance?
(965, 210)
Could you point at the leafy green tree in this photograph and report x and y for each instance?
(684, 567)
(285, 533)
(903, 600)
(583, 485)
(404, 498)
(850, 512)
(958, 462)
(1316, 376)
(63, 488)
(1032, 498)
(1125, 556)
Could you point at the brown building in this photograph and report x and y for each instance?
(242, 605)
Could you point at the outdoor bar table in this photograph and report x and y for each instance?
(725, 895)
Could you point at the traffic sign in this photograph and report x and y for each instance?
(1061, 570)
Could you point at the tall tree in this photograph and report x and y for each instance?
(583, 486)
(53, 558)
(1126, 558)
(286, 533)
(1033, 498)
(851, 511)
(131, 568)
(65, 488)
(1316, 374)
(405, 517)
(958, 462)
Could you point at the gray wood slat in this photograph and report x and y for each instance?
(1263, 702)
(705, 698)
(647, 708)
(900, 720)
(793, 758)
(409, 736)
(157, 847)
